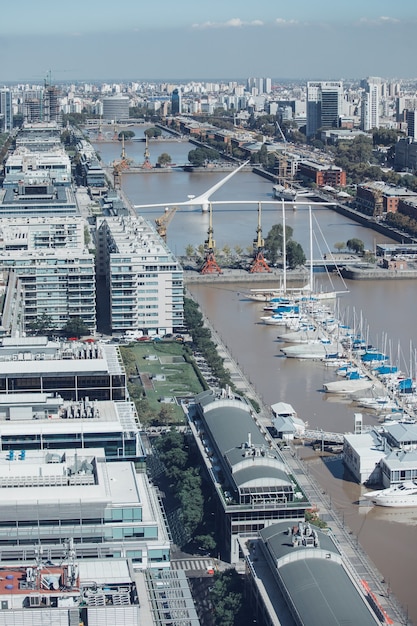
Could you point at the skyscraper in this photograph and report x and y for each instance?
(411, 117)
(370, 103)
(6, 111)
(176, 102)
(324, 105)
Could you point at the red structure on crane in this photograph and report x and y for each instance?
(210, 265)
(259, 264)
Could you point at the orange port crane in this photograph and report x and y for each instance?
(164, 220)
(259, 264)
(119, 166)
(210, 265)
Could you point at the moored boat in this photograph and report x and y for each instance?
(401, 495)
(288, 194)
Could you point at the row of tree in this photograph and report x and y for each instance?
(44, 325)
(184, 480)
(202, 340)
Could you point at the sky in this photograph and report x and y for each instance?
(180, 39)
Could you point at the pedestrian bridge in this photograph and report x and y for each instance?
(325, 437)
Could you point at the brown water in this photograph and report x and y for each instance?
(388, 536)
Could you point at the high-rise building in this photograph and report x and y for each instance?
(51, 106)
(176, 107)
(6, 111)
(144, 281)
(116, 108)
(370, 103)
(324, 105)
(411, 117)
(261, 85)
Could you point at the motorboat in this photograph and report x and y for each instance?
(350, 385)
(313, 350)
(401, 495)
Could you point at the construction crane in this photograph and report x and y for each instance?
(210, 265)
(164, 220)
(259, 264)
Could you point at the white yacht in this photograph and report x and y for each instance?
(401, 495)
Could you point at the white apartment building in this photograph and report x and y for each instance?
(55, 268)
(144, 280)
(370, 104)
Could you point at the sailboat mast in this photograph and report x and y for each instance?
(311, 248)
(284, 247)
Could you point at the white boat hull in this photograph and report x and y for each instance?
(399, 496)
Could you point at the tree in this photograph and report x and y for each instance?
(153, 132)
(189, 250)
(356, 245)
(339, 245)
(75, 327)
(164, 159)
(41, 325)
(200, 156)
(127, 134)
(274, 241)
(295, 254)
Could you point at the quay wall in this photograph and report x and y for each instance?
(358, 273)
(274, 278)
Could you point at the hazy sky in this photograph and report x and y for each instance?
(175, 39)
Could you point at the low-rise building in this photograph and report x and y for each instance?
(107, 509)
(322, 175)
(250, 479)
(44, 421)
(298, 575)
(97, 592)
(75, 369)
(378, 198)
(385, 456)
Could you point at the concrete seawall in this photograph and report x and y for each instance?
(376, 274)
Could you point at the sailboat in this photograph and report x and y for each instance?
(310, 288)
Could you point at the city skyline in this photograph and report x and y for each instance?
(188, 40)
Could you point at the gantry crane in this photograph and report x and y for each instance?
(164, 220)
(210, 265)
(259, 264)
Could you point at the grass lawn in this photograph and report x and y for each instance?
(159, 370)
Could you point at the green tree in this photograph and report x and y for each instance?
(339, 245)
(41, 325)
(295, 255)
(164, 159)
(356, 245)
(127, 134)
(274, 241)
(75, 327)
(227, 598)
(189, 250)
(153, 132)
(201, 156)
